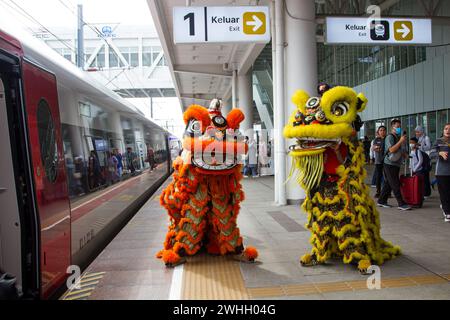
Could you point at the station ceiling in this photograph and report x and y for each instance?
(202, 72)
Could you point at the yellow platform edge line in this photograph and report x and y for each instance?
(78, 297)
(302, 289)
(87, 275)
(75, 292)
(91, 279)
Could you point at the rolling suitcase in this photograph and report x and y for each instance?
(412, 189)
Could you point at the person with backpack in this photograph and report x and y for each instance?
(416, 156)
(441, 150)
(424, 145)
(378, 153)
(393, 146)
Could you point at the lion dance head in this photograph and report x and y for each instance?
(212, 142)
(320, 124)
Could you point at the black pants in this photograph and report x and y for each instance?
(378, 176)
(391, 183)
(427, 183)
(443, 183)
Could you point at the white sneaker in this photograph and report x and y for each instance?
(245, 176)
(446, 216)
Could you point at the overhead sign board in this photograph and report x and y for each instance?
(378, 31)
(221, 24)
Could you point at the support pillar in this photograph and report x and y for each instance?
(300, 66)
(274, 85)
(227, 106)
(278, 110)
(234, 90)
(245, 94)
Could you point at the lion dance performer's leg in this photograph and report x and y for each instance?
(343, 220)
(224, 236)
(186, 200)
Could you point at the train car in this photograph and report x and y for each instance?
(77, 162)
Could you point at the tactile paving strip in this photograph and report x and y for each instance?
(213, 277)
(88, 283)
(317, 288)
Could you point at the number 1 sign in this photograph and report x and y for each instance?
(189, 24)
(221, 24)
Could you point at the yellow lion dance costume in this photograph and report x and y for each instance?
(203, 198)
(330, 161)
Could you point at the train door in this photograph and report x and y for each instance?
(10, 229)
(41, 104)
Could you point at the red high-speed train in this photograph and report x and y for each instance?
(67, 182)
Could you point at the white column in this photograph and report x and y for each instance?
(278, 110)
(227, 106)
(300, 65)
(245, 94)
(234, 90)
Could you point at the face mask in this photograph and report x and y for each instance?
(412, 145)
(398, 131)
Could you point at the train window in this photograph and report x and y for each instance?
(47, 140)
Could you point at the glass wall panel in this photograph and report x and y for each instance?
(431, 125)
(442, 120)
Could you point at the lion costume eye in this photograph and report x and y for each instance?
(340, 108)
(313, 103)
(194, 127)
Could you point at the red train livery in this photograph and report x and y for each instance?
(71, 149)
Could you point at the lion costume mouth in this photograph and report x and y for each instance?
(214, 162)
(310, 143)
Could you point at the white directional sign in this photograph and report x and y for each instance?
(221, 24)
(384, 30)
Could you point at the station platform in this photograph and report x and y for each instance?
(128, 269)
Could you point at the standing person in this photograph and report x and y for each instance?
(416, 163)
(78, 176)
(94, 171)
(112, 167)
(118, 156)
(378, 153)
(151, 157)
(424, 144)
(131, 157)
(252, 158)
(442, 149)
(246, 162)
(366, 144)
(393, 146)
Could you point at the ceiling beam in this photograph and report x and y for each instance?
(191, 70)
(160, 22)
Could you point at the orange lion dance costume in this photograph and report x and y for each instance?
(203, 198)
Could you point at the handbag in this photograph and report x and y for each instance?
(77, 175)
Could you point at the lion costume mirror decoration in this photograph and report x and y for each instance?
(329, 161)
(203, 200)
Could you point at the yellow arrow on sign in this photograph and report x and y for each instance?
(254, 23)
(403, 30)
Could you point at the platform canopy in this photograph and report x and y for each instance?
(202, 71)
